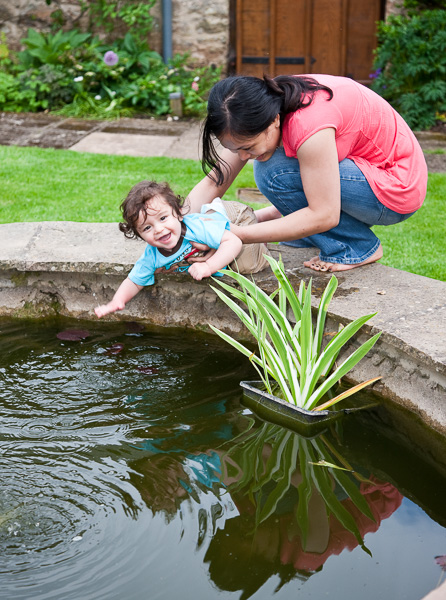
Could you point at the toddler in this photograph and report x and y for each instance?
(152, 212)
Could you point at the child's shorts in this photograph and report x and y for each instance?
(250, 259)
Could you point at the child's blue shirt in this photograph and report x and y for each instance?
(202, 228)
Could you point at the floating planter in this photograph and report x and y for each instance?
(296, 372)
(275, 410)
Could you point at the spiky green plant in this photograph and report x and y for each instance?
(290, 354)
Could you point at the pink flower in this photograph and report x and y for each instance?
(194, 86)
(111, 58)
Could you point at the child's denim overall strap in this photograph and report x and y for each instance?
(351, 241)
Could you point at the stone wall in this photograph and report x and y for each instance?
(199, 27)
(69, 268)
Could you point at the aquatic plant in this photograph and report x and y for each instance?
(290, 354)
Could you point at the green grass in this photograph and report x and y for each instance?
(60, 185)
(418, 245)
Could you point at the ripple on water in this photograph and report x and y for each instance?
(75, 416)
(55, 517)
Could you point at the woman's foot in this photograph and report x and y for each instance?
(319, 265)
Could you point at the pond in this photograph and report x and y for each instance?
(131, 469)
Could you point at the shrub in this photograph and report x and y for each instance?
(410, 65)
(78, 75)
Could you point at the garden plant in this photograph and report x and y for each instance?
(291, 360)
(410, 62)
(80, 74)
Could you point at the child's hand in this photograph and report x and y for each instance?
(106, 309)
(200, 270)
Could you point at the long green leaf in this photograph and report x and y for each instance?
(344, 368)
(306, 337)
(331, 351)
(255, 291)
(322, 314)
(285, 284)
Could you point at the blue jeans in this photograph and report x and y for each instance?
(351, 241)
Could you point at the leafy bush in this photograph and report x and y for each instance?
(58, 49)
(410, 65)
(76, 74)
(109, 16)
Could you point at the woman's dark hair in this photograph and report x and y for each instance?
(243, 107)
(137, 200)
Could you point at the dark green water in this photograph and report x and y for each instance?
(131, 470)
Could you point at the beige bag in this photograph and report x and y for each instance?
(250, 259)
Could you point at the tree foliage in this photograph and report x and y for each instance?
(410, 64)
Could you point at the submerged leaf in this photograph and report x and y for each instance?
(73, 335)
(148, 370)
(115, 349)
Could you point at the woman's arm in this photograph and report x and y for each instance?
(319, 169)
(126, 291)
(229, 249)
(206, 190)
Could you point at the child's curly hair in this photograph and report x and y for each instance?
(137, 200)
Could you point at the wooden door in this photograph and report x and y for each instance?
(304, 36)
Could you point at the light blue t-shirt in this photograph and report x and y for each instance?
(203, 228)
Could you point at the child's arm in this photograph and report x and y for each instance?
(126, 291)
(228, 250)
(269, 213)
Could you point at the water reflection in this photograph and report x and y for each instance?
(280, 504)
(299, 501)
(137, 474)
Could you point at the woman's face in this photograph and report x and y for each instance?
(260, 147)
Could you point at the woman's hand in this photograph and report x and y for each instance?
(204, 253)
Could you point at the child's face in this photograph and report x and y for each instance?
(159, 226)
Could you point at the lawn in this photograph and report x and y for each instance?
(60, 185)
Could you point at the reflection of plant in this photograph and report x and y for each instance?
(292, 355)
(268, 463)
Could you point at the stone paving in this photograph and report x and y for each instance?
(131, 137)
(139, 137)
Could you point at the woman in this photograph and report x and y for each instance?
(331, 156)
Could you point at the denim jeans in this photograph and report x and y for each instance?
(351, 241)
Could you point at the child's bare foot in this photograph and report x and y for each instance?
(319, 265)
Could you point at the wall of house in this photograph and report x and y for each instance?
(199, 27)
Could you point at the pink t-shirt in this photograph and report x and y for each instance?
(369, 132)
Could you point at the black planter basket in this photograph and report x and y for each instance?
(274, 409)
